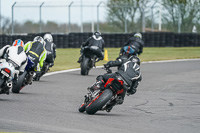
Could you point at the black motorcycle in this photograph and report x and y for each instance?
(102, 99)
(26, 78)
(88, 60)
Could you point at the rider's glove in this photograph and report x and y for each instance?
(106, 66)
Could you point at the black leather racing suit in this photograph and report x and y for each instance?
(136, 43)
(128, 70)
(51, 52)
(98, 42)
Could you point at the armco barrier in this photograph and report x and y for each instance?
(151, 39)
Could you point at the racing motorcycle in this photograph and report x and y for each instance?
(103, 99)
(89, 60)
(26, 78)
(7, 71)
(45, 68)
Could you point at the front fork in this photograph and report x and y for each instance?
(90, 96)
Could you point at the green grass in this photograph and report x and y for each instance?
(67, 58)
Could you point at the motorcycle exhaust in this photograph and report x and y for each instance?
(5, 89)
(9, 85)
(30, 78)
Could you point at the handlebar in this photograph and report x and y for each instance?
(108, 70)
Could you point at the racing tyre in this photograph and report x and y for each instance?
(82, 108)
(85, 66)
(1, 82)
(98, 102)
(17, 87)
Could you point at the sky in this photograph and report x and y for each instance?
(57, 14)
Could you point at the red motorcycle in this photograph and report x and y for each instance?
(101, 99)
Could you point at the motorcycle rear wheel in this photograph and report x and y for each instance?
(1, 82)
(85, 66)
(98, 102)
(16, 88)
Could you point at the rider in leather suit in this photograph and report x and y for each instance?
(15, 54)
(50, 48)
(36, 51)
(136, 45)
(94, 40)
(128, 70)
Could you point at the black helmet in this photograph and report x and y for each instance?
(97, 34)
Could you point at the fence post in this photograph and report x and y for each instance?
(69, 24)
(13, 17)
(98, 14)
(41, 17)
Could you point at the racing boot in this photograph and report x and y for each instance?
(80, 59)
(119, 99)
(51, 65)
(110, 105)
(99, 84)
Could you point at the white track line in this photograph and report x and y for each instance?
(71, 70)
(171, 61)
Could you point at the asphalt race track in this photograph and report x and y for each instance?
(167, 101)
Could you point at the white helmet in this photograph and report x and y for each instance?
(39, 39)
(138, 35)
(48, 37)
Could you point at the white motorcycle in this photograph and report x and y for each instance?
(7, 71)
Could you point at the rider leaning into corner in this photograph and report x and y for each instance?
(128, 69)
(136, 45)
(15, 54)
(50, 48)
(94, 41)
(36, 51)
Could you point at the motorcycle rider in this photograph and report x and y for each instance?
(36, 51)
(136, 44)
(15, 54)
(128, 71)
(50, 48)
(94, 40)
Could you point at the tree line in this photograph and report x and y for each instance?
(126, 16)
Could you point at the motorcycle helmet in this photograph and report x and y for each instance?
(39, 39)
(48, 37)
(18, 42)
(138, 35)
(97, 34)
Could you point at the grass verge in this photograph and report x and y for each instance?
(67, 58)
